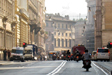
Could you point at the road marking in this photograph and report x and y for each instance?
(100, 68)
(95, 70)
(57, 69)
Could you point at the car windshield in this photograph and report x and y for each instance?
(17, 51)
(28, 51)
(103, 50)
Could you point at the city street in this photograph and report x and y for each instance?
(49, 68)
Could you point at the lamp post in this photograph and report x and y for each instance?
(13, 28)
(4, 20)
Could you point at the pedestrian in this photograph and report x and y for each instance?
(40, 57)
(5, 53)
(9, 53)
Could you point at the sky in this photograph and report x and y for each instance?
(74, 8)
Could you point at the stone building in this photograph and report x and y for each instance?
(90, 25)
(98, 24)
(7, 24)
(106, 22)
(59, 30)
(36, 9)
(79, 33)
(103, 28)
(22, 28)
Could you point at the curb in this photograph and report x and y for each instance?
(105, 69)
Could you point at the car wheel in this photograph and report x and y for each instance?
(22, 60)
(108, 60)
(11, 59)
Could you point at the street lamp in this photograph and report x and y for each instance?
(4, 20)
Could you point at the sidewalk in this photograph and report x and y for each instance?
(107, 66)
(4, 62)
(14, 62)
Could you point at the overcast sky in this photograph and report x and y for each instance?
(67, 7)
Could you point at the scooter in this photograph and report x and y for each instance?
(77, 58)
(68, 58)
(87, 64)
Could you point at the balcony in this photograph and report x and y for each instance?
(24, 12)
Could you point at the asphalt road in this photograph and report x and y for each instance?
(48, 68)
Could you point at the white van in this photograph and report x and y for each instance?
(29, 53)
(103, 54)
(17, 53)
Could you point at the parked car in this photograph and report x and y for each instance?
(103, 54)
(17, 53)
(93, 57)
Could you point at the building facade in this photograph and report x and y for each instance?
(36, 9)
(90, 25)
(6, 25)
(79, 33)
(106, 22)
(103, 23)
(98, 24)
(22, 28)
(59, 30)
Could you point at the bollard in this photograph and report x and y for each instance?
(111, 72)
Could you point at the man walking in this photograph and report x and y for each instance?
(5, 53)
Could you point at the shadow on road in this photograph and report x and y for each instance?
(86, 71)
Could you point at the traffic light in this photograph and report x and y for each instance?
(109, 45)
(24, 44)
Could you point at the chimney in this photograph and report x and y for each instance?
(66, 17)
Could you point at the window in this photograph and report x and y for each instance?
(70, 34)
(58, 42)
(89, 9)
(58, 34)
(66, 26)
(62, 42)
(46, 24)
(66, 34)
(55, 42)
(103, 50)
(62, 34)
(52, 37)
(69, 42)
(58, 25)
(52, 47)
(66, 42)
(62, 26)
